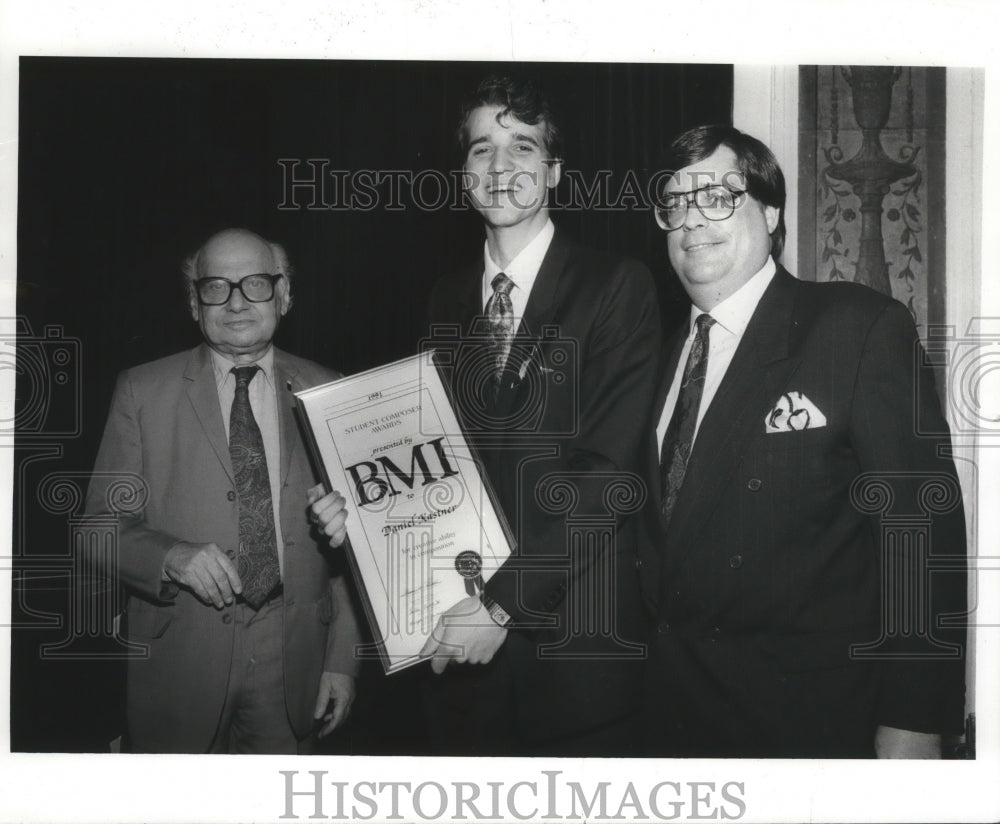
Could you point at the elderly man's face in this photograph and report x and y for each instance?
(239, 329)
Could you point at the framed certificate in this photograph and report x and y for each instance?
(423, 529)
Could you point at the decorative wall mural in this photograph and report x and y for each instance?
(872, 181)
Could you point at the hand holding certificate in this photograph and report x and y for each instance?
(424, 533)
(467, 635)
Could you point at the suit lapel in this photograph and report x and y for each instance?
(545, 290)
(761, 366)
(541, 310)
(469, 303)
(203, 394)
(671, 357)
(204, 397)
(286, 383)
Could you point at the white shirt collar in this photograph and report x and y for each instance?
(223, 366)
(734, 313)
(523, 269)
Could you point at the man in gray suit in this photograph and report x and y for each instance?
(250, 634)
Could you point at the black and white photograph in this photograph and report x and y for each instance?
(714, 326)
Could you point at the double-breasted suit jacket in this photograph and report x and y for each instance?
(791, 619)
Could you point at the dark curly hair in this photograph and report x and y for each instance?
(519, 98)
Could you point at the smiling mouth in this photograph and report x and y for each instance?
(697, 247)
(492, 190)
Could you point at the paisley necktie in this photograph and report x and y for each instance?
(257, 563)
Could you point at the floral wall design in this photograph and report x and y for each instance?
(872, 181)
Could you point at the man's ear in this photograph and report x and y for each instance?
(555, 172)
(193, 302)
(771, 215)
(284, 294)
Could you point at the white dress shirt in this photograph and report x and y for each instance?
(523, 270)
(731, 319)
(264, 403)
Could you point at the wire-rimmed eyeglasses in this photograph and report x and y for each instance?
(218, 291)
(715, 202)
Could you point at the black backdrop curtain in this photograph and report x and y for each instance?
(127, 165)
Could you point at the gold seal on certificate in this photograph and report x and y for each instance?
(423, 531)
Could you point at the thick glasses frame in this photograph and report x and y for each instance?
(235, 284)
(709, 212)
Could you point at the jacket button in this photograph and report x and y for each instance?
(231, 553)
(753, 484)
(736, 561)
(663, 628)
(638, 563)
(230, 495)
(227, 618)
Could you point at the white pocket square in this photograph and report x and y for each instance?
(794, 412)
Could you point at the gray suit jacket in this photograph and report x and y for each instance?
(166, 426)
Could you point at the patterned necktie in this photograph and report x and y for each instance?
(257, 563)
(500, 313)
(679, 437)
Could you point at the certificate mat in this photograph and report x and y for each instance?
(422, 526)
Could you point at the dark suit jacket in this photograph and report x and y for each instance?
(580, 375)
(166, 426)
(773, 564)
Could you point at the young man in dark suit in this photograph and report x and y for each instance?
(553, 370)
(787, 622)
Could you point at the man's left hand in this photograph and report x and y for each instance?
(329, 513)
(336, 694)
(464, 634)
(894, 743)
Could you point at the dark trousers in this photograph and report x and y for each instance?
(472, 710)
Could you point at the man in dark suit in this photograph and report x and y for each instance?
(543, 685)
(552, 370)
(791, 621)
(250, 635)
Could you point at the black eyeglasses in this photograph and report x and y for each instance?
(714, 202)
(218, 291)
